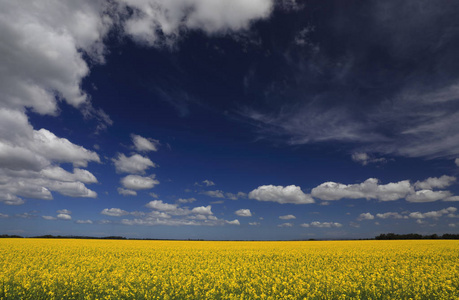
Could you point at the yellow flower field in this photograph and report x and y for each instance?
(111, 269)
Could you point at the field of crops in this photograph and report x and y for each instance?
(108, 269)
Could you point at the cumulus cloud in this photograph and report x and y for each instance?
(433, 214)
(365, 216)
(28, 161)
(160, 205)
(45, 48)
(49, 218)
(202, 210)
(287, 217)
(369, 189)
(83, 222)
(452, 198)
(174, 209)
(57, 173)
(428, 196)
(64, 211)
(289, 194)
(142, 144)
(322, 224)
(390, 215)
(136, 182)
(243, 212)
(434, 182)
(126, 192)
(64, 216)
(114, 212)
(135, 164)
(285, 225)
(234, 222)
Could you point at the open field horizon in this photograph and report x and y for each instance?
(129, 269)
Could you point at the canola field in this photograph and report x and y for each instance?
(109, 269)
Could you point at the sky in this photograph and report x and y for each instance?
(242, 119)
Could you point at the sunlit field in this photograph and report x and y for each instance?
(111, 269)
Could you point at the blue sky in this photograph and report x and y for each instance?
(229, 120)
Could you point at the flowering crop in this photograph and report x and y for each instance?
(108, 269)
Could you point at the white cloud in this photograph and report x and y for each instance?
(434, 182)
(214, 194)
(369, 189)
(44, 47)
(234, 222)
(175, 210)
(391, 215)
(287, 217)
(285, 225)
(208, 182)
(46, 43)
(64, 217)
(135, 164)
(433, 214)
(457, 161)
(203, 210)
(364, 158)
(322, 224)
(144, 144)
(114, 212)
(280, 194)
(126, 192)
(136, 182)
(160, 205)
(428, 196)
(366, 216)
(57, 173)
(154, 195)
(452, 199)
(28, 158)
(243, 212)
(188, 200)
(159, 22)
(83, 222)
(49, 218)
(254, 223)
(64, 211)
(10, 199)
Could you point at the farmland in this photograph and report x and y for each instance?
(109, 269)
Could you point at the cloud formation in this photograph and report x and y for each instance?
(369, 189)
(322, 224)
(243, 212)
(136, 182)
(134, 164)
(44, 59)
(114, 212)
(434, 182)
(161, 22)
(142, 144)
(289, 194)
(287, 217)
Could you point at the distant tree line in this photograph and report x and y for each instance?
(383, 236)
(415, 236)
